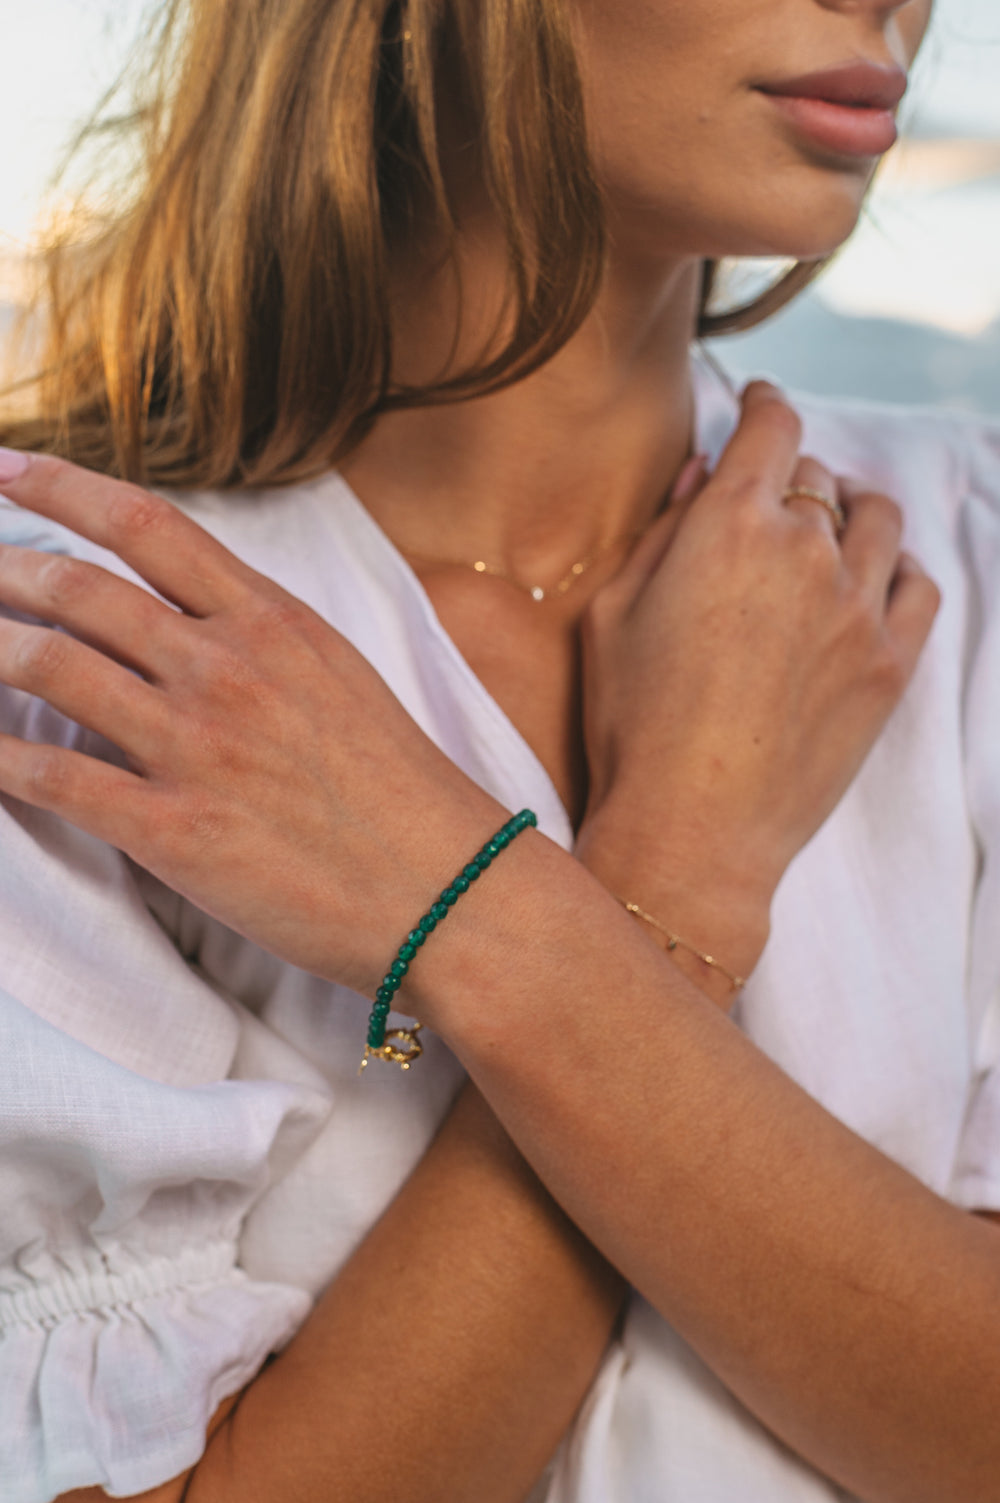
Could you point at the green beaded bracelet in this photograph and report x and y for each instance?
(377, 1046)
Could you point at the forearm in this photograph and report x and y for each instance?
(453, 1348)
(854, 1312)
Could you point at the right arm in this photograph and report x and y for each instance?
(444, 1363)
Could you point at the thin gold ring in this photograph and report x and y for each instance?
(807, 493)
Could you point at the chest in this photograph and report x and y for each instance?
(527, 655)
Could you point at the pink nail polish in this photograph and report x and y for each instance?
(12, 464)
(691, 473)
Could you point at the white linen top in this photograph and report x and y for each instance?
(187, 1156)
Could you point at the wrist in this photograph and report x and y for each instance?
(519, 919)
(691, 885)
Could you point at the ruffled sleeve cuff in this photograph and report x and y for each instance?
(125, 1318)
(111, 1380)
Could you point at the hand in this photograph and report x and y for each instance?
(737, 672)
(271, 776)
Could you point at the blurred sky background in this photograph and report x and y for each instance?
(910, 311)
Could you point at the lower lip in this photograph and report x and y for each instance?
(842, 128)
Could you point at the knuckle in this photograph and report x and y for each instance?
(877, 504)
(222, 671)
(780, 418)
(216, 744)
(886, 513)
(179, 825)
(63, 580)
(41, 655)
(271, 616)
(817, 550)
(892, 512)
(747, 518)
(889, 672)
(862, 616)
(932, 594)
(814, 472)
(197, 821)
(135, 514)
(47, 776)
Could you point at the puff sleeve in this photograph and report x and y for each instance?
(128, 1161)
(976, 1182)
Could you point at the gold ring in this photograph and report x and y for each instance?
(807, 493)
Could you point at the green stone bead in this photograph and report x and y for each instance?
(416, 937)
(381, 1010)
(384, 994)
(428, 923)
(471, 871)
(492, 849)
(449, 897)
(461, 884)
(483, 860)
(398, 968)
(501, 838)
(390, 983)
(407, 951)
(439, 910)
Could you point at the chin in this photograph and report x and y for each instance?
(806, 213)
(805, 216)
(811, 225)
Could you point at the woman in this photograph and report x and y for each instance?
(189, 1155)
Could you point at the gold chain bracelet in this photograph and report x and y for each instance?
(673, 940)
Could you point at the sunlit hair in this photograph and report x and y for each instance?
(228, 321)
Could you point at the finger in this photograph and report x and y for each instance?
(103, 800)
(85, 686)
(762, 454)
(811, 475)
(914, 601)
(870, 544)
(107, 612)
(646, 556)
(689, 482)
(178, 558)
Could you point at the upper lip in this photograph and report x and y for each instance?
(872, 86)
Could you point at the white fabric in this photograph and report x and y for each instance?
(187, 1156)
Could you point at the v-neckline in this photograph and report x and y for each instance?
(713, 406)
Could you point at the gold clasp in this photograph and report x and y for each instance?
(395, 1056)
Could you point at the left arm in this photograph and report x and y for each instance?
(853, 1311)
(443, 1363)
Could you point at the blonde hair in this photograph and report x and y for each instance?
(230, 323)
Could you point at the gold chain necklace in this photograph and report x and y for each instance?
(537, 592)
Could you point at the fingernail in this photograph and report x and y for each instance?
(689, 478)
(12, 464)
(763, 389)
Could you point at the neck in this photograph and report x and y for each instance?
(580, 453)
